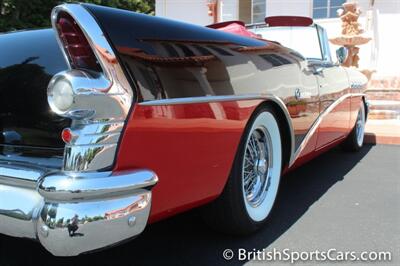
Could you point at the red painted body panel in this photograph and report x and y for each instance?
(179, 142)
(311, 155)
(198, 142)
(335, 125)
(307, 153)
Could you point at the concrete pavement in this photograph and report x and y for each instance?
(345, 201)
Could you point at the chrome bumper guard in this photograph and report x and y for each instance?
(72, 213)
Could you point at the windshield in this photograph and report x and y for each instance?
(301, 39)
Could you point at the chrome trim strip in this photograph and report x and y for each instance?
(204, 99)
(21, 175)
(31, 147)
(89, 158)
(225, 98)
(49, 162)
(101, 100)
(17, 182)
(97, 139)
(357, 85)
(75, 186)
(318, 121)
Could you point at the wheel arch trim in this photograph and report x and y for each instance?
(285, 123)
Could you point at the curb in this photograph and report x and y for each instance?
(371, 138)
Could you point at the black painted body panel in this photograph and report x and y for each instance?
(163, 56)
(28, 60)
(169, 59)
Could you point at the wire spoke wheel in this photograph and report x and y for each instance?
(260, 166)
(256, 166)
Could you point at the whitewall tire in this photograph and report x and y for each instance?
(261, 166)
(249, 195)
(355, 139)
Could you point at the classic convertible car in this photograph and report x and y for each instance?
(112, 120)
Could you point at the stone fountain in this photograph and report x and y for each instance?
(352, 35)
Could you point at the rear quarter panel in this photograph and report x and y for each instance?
(192, 146)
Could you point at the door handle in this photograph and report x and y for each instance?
(317, 70)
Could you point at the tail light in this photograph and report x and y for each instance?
(62, 95)
(66, 135)
(75, 43)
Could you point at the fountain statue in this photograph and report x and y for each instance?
(352, 34)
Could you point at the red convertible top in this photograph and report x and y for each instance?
(235, 27)
(288, 21)
(239, 28)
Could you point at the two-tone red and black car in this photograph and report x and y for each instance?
(112, 120)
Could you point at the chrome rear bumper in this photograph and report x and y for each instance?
(73, 213)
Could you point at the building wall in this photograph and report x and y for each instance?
(380, 54)
(289, 8)
(229, 10)
(196, 11)
(192, 11)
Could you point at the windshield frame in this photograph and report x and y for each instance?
(321, 35)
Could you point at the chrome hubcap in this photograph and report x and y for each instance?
(257, 166)
(261, 166)
(360, 128)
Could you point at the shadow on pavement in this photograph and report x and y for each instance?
(185, 240)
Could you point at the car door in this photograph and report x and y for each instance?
(333, 86)
(304, 111)
(333, 102)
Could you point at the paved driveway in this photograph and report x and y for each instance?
(342, 201)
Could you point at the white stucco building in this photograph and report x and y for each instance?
(380, 18)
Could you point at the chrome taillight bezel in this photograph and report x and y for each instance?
(102, 97)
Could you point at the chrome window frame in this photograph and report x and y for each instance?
(323, 43)
(321, 35)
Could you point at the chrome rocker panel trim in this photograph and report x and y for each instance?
(104, 208)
